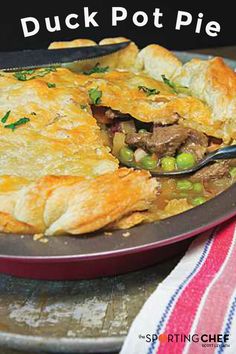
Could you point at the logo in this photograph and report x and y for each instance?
(205, 339)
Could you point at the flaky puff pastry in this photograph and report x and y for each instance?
(60, 138)
(50, 165)
(210, 105)
(213, 82)
(122, 91)
(57, 205)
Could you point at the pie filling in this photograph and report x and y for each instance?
(164, 148)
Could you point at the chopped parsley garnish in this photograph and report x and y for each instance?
(19, 122)
(33, 113)
(174, 86)
(97, 69)
(26, 75)
(83, 106)
(5, 118)
(22, 75)
(148, 91)
(95, 95)
(45, 71)
(51, 85)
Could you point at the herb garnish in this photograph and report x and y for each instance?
(25, 75)
(97, 69)
(19, 122)
(174, 86)
(95, 95)
(22, 75)
(51, 84)
(5, 118)
(148, 91)
(83, 106)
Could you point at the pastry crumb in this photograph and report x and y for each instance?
(22, 236)
(37, 237)
(126, 234)
(43, 240)
(98, 151)
(107, 233)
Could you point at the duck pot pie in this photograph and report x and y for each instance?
(67, 131)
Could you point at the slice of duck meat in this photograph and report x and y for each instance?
(164, 141)
(196, 144)
(215, 171)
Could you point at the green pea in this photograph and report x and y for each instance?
(142, 131)
(185, 160)
(198, 201)
(148, 162)
(233, 172)
(126, 155)
(184, 185)
(168, 163)
(198, 187)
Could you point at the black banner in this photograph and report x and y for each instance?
(170, 23)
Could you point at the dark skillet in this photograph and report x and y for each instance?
(71, 257)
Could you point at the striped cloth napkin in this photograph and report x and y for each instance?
(193, 310)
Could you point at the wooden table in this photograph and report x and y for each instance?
(100, 308)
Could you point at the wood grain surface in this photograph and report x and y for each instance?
(91, 308)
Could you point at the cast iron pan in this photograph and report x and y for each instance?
(71, 257)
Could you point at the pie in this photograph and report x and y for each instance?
(63, 130)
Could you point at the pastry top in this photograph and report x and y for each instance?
(213, 82)
(58, 134)
(156, 61)
(210, 105)
(126, 92)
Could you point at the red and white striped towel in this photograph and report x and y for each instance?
(193, 310)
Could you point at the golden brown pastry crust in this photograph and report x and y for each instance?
(68, 204)
(9, 225)
(61, 138)
(211, 83)
(156, 61)
(173, 207)
(215, 83)
(120, 91)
